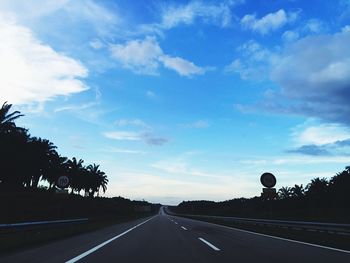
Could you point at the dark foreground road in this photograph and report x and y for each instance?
(170, 239)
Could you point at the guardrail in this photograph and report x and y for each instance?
(343, 229)
(40, 223)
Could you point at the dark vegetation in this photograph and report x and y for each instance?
(29, 169)
(28, 162)
(321, 200)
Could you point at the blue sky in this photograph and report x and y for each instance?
(183, 100)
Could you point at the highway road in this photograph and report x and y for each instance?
(165, 238)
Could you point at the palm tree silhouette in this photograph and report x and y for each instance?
(40, 153)
(75, 174)
(317, 187)
(298, 191)
(99, 179)
(285, 192)
(7, 119)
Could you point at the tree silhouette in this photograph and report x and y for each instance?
(57, 167)
(298, 191)
(99, 179)
(13, 160)
(285, 193)
(7, 119)
(317, 188)
(26, 161)
(41, 150)
(75, 174)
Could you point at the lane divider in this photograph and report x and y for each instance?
(274, 237)
(75, 259)
(184, 228)
(209, 244)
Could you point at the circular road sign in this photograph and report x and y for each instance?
(62, 181)
(268, 180)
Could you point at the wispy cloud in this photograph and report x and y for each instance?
(269, 22)
(182, 66)
(321, 140)
(200, 124)
(122, 150)
(302, 160)
(122, 135)
(131, 122)
(151, 139)
(338, 148)
(218, 13)
(320, 134)
(147, 137)
(145, 57)
(253, 63)
(76, 107)
(140, 56)
(33, 71)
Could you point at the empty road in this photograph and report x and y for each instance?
(165, 238)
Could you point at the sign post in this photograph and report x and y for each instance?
(62, 183)
(269, 181)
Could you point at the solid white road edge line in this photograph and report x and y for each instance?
(184, 228)
(279, 238)
(75, 259)
(209, 244)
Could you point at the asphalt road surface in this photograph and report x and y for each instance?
(164, 238)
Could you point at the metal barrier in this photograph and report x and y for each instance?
(343, 229)
(41, 223)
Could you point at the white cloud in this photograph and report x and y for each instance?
(96, 44)
(314, 72)
(182, 66)
(218, 13)
(34, 8)
(346, 29)
(140, 56)
(133, 122)
(100, 19)
(252, 61)
(77, 107)
(145, 56)
(269, 22)
(321, 134)
(309, 27)
(32, 71)
(147, 137)
(290, 36)
(304, 160)
(122, 135)
(314, 26)
(122, 150)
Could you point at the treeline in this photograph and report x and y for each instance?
(28, 163)
(321, 199)
(41, 205)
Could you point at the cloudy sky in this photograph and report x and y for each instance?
(182, 100)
